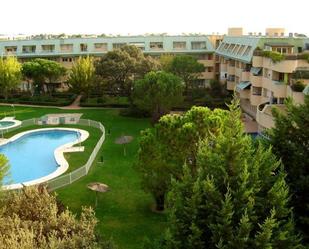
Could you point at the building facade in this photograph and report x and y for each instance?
(68, 50)
(264, 71)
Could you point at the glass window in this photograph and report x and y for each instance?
(179, 45)
(198, 45)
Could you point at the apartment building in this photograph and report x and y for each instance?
(264, 71)
(67, 50)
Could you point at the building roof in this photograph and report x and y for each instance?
(243, 85)
(278, 44)
(61, 115)
(241, 48)
(143, 42)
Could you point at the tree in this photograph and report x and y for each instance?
(43, 73)
(82, 76)
(188, 68)
(290, 141)
(10, 75)
(32, 218)
(166, 62)
(122, 66)
(172, 142)
(237, 197)
(157, 93)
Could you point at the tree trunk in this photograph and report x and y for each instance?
(160, 200)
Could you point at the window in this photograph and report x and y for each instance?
(67, 59)
(83, 47)
(29, 49)
(66, 47)
(156, 45)
(48, 48)
(235, 49)
(10, 49)
(140, 45)
(179, 45)
(256, 90)
(210, 69)
(247, 51)
(241, 50)
(231, 48)
(226, 46)
(118, 45)
(198, 45)
(100, 46)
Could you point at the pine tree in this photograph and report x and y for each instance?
(290, 141)
(238, 197)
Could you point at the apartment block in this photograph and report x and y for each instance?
(264, 71)
(67, 50)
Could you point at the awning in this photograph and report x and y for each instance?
(306, 90)
(243, 85)
(255, 70)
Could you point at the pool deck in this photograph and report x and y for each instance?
(58, 154)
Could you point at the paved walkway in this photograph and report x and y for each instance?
(74, 105)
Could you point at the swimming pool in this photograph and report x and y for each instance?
(36, 156)
(5, 124)
(9, 122)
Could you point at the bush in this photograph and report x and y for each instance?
(274, 56)
(298, 86)
(31, 218)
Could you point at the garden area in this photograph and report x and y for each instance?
(125, 211)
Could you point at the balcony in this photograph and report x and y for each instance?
(256, 80)
(238, 71)
(257, 61)
(298, 97)
(255, 100)
(207, 63)
(244, 94)
(207, 75)
(231, 70)
(245, 76)
(285, 66)
(223, 67)
(277, 87)
(264, 115)
(230, 85)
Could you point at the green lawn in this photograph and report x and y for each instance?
(124, 212)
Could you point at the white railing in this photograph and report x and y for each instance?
(71, 177)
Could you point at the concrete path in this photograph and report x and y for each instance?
(74, 105)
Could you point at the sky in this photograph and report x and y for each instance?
(135, 17)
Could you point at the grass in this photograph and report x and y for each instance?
(124, 212)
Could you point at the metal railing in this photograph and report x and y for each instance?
(71, 177)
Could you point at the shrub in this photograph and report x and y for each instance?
(274, 56)
(31, 218)
(298, 86)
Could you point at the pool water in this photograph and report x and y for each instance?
(32, 155)
(4, 124)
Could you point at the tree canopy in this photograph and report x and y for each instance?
(122, 66)
(290, 141)
(173, 142)
(186, 67)
(82, 75)
(157, 93)
(43, 72)
(10, 75)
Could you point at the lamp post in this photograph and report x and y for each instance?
(13, 110)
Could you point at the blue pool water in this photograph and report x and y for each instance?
(4, 124)
(32, 155)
